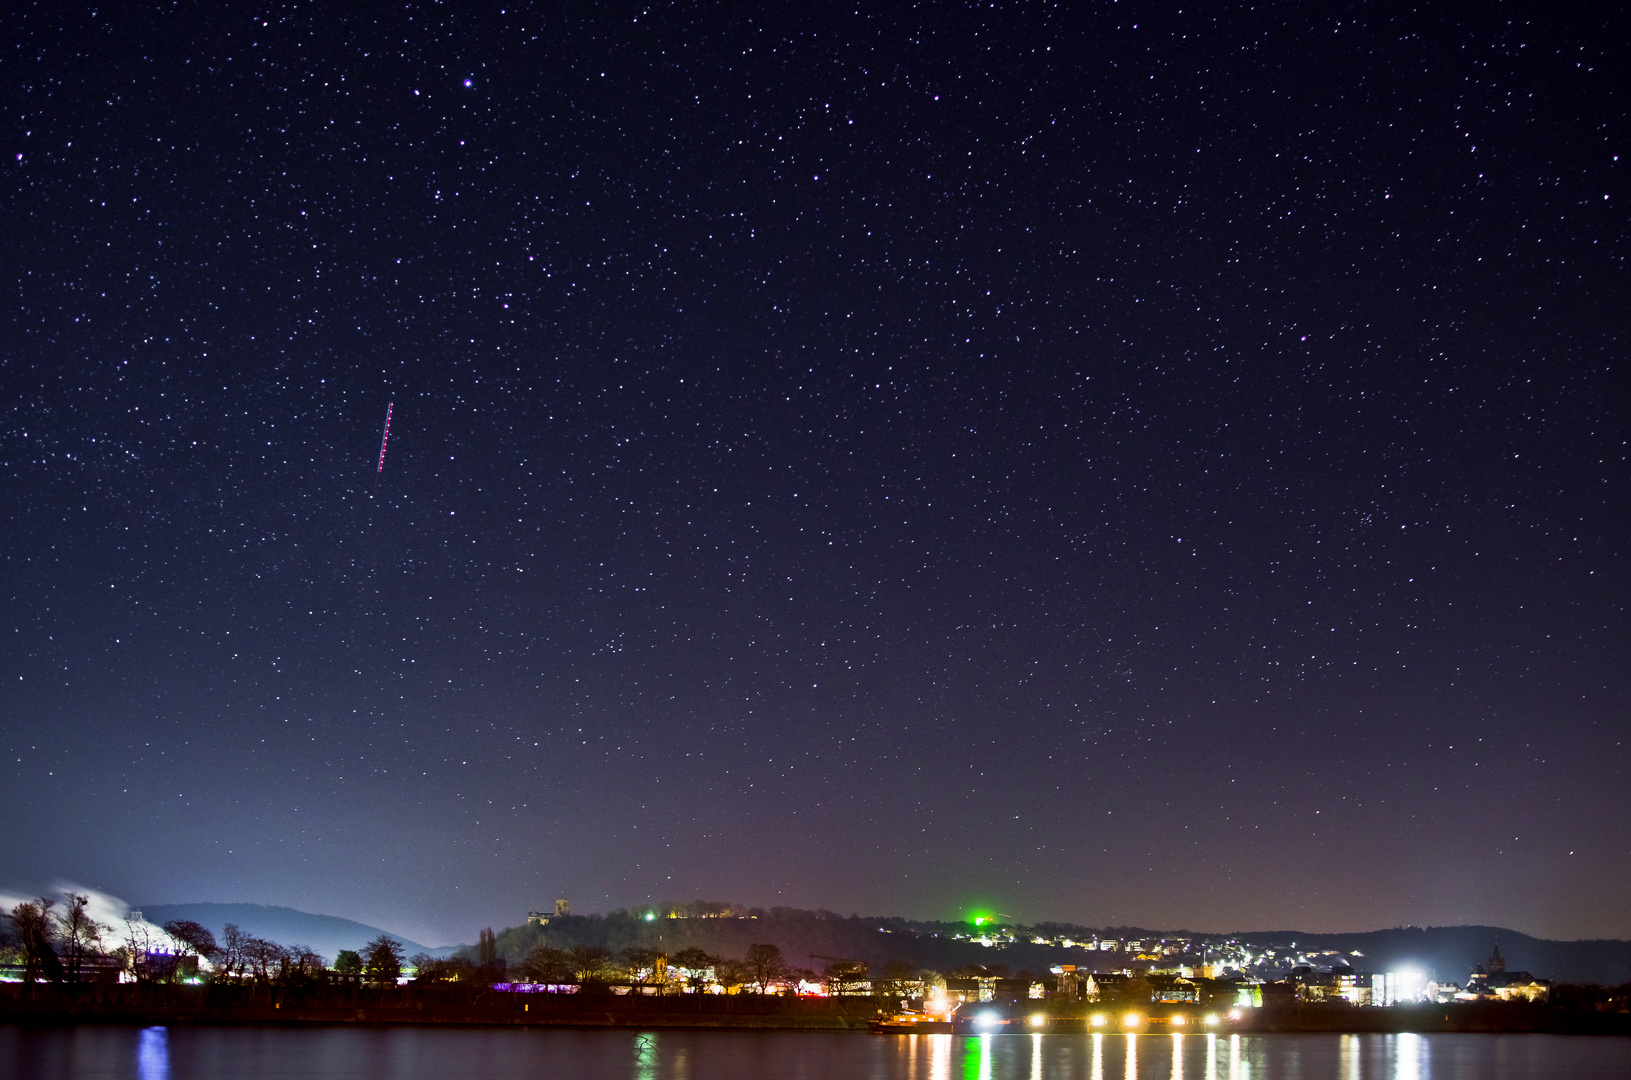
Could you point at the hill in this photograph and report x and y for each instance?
(326, 934)
(1448, 952)
(808, 938)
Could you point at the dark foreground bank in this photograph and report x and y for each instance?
(453, 1005)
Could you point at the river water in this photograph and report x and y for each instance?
(426, 1053)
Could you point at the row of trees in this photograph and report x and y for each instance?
(65, 943)
(761, 970)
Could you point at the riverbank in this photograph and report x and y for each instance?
(478, 1006)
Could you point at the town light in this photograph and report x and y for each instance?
(988, 1019)
(1179, 1021)
(1038, 1020)
(1132, 1020)
(1211, 1019)
(1234, 1014)
(1099, 1019)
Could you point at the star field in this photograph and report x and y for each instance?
(1126, 465)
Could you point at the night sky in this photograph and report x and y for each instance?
(1121, 464)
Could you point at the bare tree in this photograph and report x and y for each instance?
(195, 941)
(697, 965)
(765, 965)
(731, 974)
(138, 956)
(194, 938)
(547, 965)
(79, 934)
(590, 963)
(644, 965)
(35, 928)
(263, 959)
(229, 958)
(898, 977)
(300, 962)
(845, 977)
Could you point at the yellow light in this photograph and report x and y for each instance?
(1211, 1018)
(1038, 1020)
(1132, 1020)
(1099, 1019)
(1179, 1020)
(1234, 1014)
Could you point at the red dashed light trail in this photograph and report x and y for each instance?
(387, 438)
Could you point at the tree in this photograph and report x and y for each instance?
(193, 938)
(348, 962)
(590, 963)
(765, 965)
(493, 966)
(384, 960)
(35, 928)
(845, 976)
(301, 963)
(79, 934)
(695, 965)
(140, 959)
(898, 977)
(427, 968)
(645, 966)
(547, 965)
(730, 974)
(229, 958)
(264, 959)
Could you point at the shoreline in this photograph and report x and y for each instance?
(478, 1007)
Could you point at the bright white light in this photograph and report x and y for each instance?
(1211, 1018)
(1132, 1020)
(1179, 1021)
(1099, 1020)
(988, 1019)
(1038, 1020)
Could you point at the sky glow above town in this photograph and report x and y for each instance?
(1104, 463)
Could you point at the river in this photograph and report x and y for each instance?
(439, 1053)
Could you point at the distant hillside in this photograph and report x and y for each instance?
(807, 937)
(1449, 952)
(326, 934)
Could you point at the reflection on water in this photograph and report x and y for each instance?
(153, 1055)
(645, 1056)
(418, 1053)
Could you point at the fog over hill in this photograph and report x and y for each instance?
(326, 934)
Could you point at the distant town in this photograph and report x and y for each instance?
(913, 973)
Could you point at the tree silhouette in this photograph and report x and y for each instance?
(590, 963)
(79, 934)
(34, 927)
(765, 965)
(383, 960)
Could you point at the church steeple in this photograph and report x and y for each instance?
(1497, 962)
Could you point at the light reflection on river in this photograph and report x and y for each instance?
(408, 1053)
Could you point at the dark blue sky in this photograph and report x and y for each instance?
(1125, 465)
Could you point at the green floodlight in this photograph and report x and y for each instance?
(651, 916)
